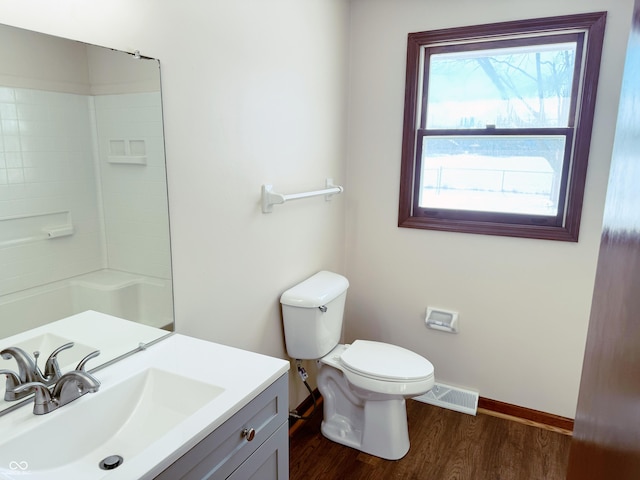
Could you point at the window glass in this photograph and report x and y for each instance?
(514, 174)
(528, 86)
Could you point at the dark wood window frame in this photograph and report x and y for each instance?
(566, 225)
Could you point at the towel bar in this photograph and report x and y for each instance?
(271, 198)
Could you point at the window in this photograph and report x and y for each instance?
(497, 126)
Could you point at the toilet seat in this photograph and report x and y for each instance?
(381, 368)
(385, 362)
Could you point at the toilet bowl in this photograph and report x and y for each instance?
(364, 384)
(364, 387)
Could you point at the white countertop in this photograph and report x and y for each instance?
(242, 375)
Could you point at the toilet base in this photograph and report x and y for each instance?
(382, 436)
(374, 426)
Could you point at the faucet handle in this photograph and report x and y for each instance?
(13, 381)
(43, 402)
(51, 367)
(11, 375)
(83, 362)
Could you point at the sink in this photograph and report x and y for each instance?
(151, 409)
(123, 420)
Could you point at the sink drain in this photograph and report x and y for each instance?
(111, 462)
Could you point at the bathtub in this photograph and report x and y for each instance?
(139, 298)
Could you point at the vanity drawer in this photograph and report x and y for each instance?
(222, 451)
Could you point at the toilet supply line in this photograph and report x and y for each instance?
(304, 375)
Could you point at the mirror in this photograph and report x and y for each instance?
(83, 196)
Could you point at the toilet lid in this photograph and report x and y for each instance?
(385, 361)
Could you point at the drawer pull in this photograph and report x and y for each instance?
(248, 433)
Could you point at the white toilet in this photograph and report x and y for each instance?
(364, 385)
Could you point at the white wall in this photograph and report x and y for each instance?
(253, 92)
(524, 304)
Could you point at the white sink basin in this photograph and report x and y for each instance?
(151, 408)
(122, 420)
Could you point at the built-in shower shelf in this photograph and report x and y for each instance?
(19, 229)
(127, 159)
(127, 151)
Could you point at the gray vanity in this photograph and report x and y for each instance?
(253, 444)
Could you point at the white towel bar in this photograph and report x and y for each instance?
(270, 198)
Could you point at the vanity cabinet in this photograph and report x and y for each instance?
(253, 444)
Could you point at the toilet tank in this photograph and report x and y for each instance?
(312, 313)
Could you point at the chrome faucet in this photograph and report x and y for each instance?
(69, 387)
(28, 370)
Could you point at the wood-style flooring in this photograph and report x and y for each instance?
(445, 445)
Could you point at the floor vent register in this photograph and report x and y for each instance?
(452, 398)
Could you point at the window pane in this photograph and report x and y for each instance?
(492, 173)
(517, 87)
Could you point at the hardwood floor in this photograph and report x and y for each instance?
(445, 445)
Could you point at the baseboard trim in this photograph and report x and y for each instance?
(487, 406)
(525, 415)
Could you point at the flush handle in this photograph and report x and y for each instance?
(323, 308)
(248, 433)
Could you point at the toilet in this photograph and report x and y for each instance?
(364, 385)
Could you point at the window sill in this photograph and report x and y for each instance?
(542, 232)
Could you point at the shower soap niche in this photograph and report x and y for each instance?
(127, 152)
